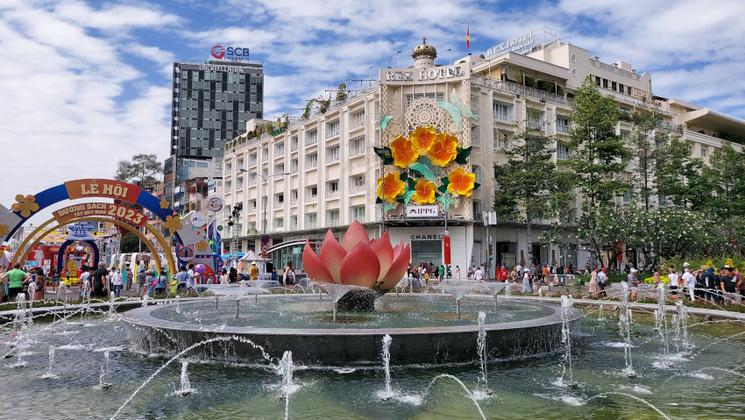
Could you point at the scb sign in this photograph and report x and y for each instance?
(230, 53)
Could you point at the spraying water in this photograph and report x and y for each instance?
(50, 370)
(462, 385)
(659, 318)
(111, 304)
(185, 388)
(31, 294)
(601, 317)
(104, 376)
(285, 369)
(566, 338)
(385, 353)
(683, 320)
(481, 348)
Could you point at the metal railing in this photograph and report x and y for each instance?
(519, 89)
(506, 117)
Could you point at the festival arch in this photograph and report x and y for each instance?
(128, 218)
(70, 242)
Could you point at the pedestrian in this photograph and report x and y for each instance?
(288, 276)
(602, 280)
(101, 281)
(526, 281)
(711, 284)
(457, 272)
(593, 287)
(16, 279)
(689, 280)
(633, 282)
(727, 284)
(740, 284)
(478, 275)
(125, 277)
(233, 275)
(85, 283)
(674, 283)
(162, 282)
(502, 273)
(182, 278)
(116, 281)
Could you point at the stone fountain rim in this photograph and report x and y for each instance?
(143, 317)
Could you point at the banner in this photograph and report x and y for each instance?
(125, 214)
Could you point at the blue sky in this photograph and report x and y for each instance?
(86, 83)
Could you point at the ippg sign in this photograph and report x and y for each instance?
(230, 53)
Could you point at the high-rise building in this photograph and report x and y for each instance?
(211, 104)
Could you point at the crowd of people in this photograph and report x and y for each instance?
(17, 281)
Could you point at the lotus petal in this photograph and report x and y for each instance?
(355, 234)
(332, 254)
(314, 267)
(360, 267)
(397, 270)
(383, 249)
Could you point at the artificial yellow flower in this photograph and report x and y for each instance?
(25, 205)
(403, 152)
(202, 245)
(424, 192)
(461, 182)
(422, 139)
(4, 229)
(173, 223)
(163, 203)
(443, 150)
(391, 187)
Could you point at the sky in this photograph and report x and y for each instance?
(84, 84)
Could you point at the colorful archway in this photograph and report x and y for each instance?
(67, 243)
(28, 205)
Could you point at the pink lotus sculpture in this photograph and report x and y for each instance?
(357, 260)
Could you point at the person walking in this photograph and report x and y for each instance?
(602, 280)
(673, 283)
(689, 280)
(593, 287)
(633, 283)
(16, 279)
(182, 278)
(478, 275)
(101, 281)
(288, 276)
(116, 281)
(457, 272)
(526, 281)
(162, 282)
(727, 283)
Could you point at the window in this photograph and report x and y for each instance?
(662, 200)
(279, 148)
(311, 137)
(628, 90)
(621, 88)
(534, 120)
(357, 181)
(239, 164)
(293, 222)
(293, 165)
(332, 154)
(357, 119)
(279, 222)
(279, 199)
(311, 161)
(293, 143)
(251, 178)
(562, 151)
(597, 80)
(562, 124)
(310, 220)
(501, 140)
(332, 217)
(703, 150)
(252, 159)
(332, 129)
(332, 188)
(503, 112)
(357, 146)
(605, 83)
(357, 213)
(265, 153)
(239, 183)
(252, 204)
(279, 168)
(293, 197)
(312, 191)
(613, 85)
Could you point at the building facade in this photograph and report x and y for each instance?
(211, 104)
(320, 172)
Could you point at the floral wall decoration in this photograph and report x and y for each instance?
(424, 167)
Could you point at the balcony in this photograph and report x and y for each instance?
(707, 140)
(562, 128)
(504, 117)
(535, 124)
(332, 222)
(519, 89)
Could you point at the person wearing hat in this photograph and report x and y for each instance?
(253, 271)
(526, 281)
(633, 282)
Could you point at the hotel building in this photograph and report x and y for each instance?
(320, 172)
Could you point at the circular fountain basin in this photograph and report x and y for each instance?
(425, 329)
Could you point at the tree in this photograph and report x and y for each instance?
(341, 92)
(645, 139)
(728, 172)
(683, 179)
(144, 170)
(526, 184)
(129, 243)
(598, 154)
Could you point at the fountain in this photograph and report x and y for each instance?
(285, 369)
(481, 345)
(105, 373)
(185, 388)
(385, 354)
(566, 339)
(50, 370)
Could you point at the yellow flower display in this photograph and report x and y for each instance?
(202, 245)
(443, 150)
(461, 182)
(424, 192)
(391, 187)
(4, 229)
(163, 203)
(422, 139)
(25, 205)
(173, 223)
(403, 152)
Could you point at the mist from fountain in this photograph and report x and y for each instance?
(481, 349)
(185, 388)
(566, 339)
(285, 369)
(104, 377)
(50, 370)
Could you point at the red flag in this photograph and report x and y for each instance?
(468, 36)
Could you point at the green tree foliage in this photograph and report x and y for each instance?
(598, 155)
(342, 93)
(129, 243)
(683, 179)
(144, 170)
(526, 186)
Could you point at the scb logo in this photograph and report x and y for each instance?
(231, 53)
(218, 52)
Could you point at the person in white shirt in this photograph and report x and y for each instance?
(116, 281)
(478, 275)
(85, 283)
(673, 276)
(689, 281)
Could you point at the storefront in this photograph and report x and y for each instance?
(427, 244)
